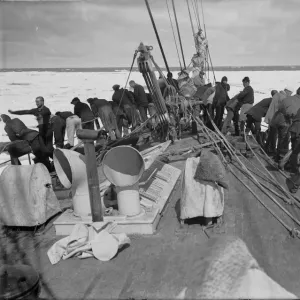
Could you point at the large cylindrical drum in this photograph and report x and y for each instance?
(26, 195)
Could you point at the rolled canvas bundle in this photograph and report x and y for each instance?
(26, 196)
(211, 168)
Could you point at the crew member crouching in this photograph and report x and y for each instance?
(17, 130)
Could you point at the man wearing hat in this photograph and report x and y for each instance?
(275, 119)
(242, 101)
(246, 100)
(124, 99)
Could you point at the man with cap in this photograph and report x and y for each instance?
(219, 101)
(245, 102)
(141, 99)
(124, 99)
(83, 111)
(255, 115)
(17, 130)
(242, 101)
(275, 119)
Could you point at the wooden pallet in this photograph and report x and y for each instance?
(156, 186)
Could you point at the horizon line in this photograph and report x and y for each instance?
(126, 67)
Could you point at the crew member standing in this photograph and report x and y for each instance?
(124, 99)
(277, 124)
(246, 100)
(219, 101)
(42, 114)
(140, 99)
(83, 111)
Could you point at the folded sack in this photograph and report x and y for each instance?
(211, 168)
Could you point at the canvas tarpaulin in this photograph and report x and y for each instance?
(199, 198)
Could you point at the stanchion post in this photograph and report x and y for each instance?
(88, 137)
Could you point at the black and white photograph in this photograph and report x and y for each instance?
(149, 149)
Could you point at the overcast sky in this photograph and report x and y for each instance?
(105, 33)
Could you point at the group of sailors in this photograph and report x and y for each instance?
(128, 109)
(281, 111)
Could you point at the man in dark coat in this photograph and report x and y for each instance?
(83, 111)
(172, 81)
(241, 102)
(140, 98)
(124, 99)
(246, 100)
(255, 115)
(42, 114)
(122, 121)
(294, 131)
(58, 126)
(220, 100)
(17, 130)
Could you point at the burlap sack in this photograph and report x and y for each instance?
(211, 168)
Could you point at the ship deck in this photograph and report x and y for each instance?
(156, 266)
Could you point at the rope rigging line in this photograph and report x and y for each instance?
(196, 15)
(157, 36)
(133, 60)
(174, 35)
(209, 56)
(230, 148)
(179, 37)
(192, 25)
(232, 152)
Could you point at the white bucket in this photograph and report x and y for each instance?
(129, 200)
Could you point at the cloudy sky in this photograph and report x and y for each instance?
(105, 33)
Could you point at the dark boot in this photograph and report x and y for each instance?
(259, 138)
(236, 129)
(242, 127)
